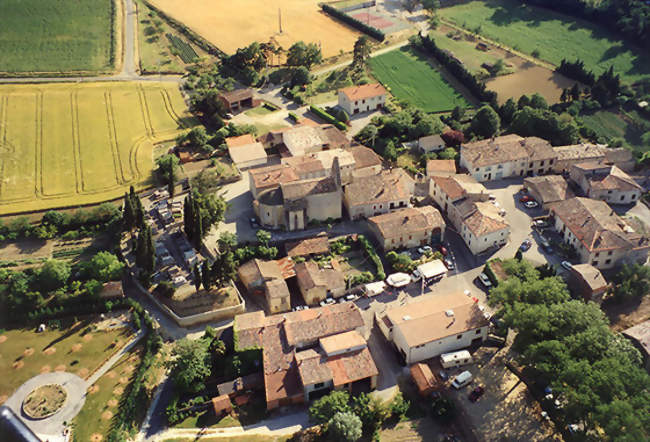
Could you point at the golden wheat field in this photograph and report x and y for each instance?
(70, 144)
(233, 24)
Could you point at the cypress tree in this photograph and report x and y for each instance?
(205, 274)
(128, 217)
(188, 216)
(197, 276)
(150, 256)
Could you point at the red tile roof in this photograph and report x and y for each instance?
(364, 91)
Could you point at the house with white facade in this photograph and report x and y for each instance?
(606, 182)
(479, 222)
(433, 325)
(507, 156)
(600, 237)
(363, 98)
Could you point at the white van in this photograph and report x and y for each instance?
(461, 380)
(455, 359)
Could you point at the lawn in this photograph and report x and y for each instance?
(103, 398)
(262, 110)
(25, 353)
(251, 438)
(56, 35)
(68, 144)
(616, 125)
(411, 77)
(555, 36)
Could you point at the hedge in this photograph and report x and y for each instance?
(293, 117)
(490, 274)
(327, 117)
(371, 31)
(476, 87)
(372, 254)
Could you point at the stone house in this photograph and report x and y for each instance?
(409, 227)
(363, 98)
(377, 194)
(605, 182)
(317, 283)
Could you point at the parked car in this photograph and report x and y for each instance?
(526, 198)
(485, 280)
(442, 250)
(462, 380)
(546, 245)
(476, 393)
(416, 276)
(531, 204)
(327, 301)
(567, 265)
(443, 375)
(540, 223)
(449, 263)
(492, 197)
(424, 249)
(525, 245)
(254, 223)
(351, 297)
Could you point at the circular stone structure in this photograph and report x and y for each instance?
(44, 401)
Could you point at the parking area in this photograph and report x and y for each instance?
(506, 411)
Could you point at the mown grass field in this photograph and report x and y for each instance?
(25, 353)
(555, 36)
(412, 78)
(55, 35)
(607, 123)
(71, 144)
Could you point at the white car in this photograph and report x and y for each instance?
(531, 204)
(415, 276)
(424, 249)
(567, 265)
(485, 280)
(398, 280)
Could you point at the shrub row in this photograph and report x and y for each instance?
(370, 30)
(191, 35)
(327, 117)
(476, 87)
(293, 117)
(576, 70)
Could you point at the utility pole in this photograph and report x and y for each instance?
(280, 19)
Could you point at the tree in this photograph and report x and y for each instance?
(632, 281)
(458, 113)
(190, 365)
(486, 122)
(410, 5)
(453, 137)
(443, 409)
(361, 52)
(263, 237)
(53, 275)
(167, 167)
(227, 242)
(301, 54)
(197, 277)
(300, 76)
(104, 266)
(128, 213)
(538, 102)
(345, 426)
(372, 411)
(390, 152)
(324, 409)
(206, 275)
(368, 135)
(448, 154)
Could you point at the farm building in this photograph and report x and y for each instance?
(605, 182)
(245, 152)
(431, 143)
(640, 337)
(318, 245)
(237, 100)
(364, 98)
(377, 194)
(548, 189)
(441, 168)
(316, 284)
(587, 282)
(437, 324)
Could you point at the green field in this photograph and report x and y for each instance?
(555, 36)
(412, 78)
(70, 144)
(616, 125)
(56, 35)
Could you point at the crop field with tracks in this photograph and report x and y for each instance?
(69, 144)
(56, 35)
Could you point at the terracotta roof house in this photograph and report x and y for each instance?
(640, 337)
(320, 164)
(605, 182)
(507, 156)
(548, 189)
(601, 238)
(317, 283)
(221, 405)
(572, 154)
(441, 168)
(270, 177)
(408, 227)
(268, 278)
(366, 158)
(111, 290)
(245, 152)
(318, 245)
(363, 98)
(238, 99)
(303, 139)
(309, 352)
(480, 223)
(433, 325)
(431, 143)
(587, 282)
(377, 194)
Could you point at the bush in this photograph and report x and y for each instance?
(371, 31)
(165, 289)
(372, 254)
(345, 426)
(327, 117)
(399, 406)
(293, 117)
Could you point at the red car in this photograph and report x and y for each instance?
(525, 199)
(442, 249)
(476, 393)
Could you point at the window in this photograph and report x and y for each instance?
(622, 197)
(633, 196)
(550, 161)
(594, 263)
(609, 253)
(478, 332)
(485, 239)
(319, 385)
(530, 165)
(459, 337)
(363, 101)
(410, 237)
(597, 254)
(542, 163)
(487, 169)
(609, 191)
(476, 169)
(608, 261)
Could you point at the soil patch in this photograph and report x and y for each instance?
(44, 401)
(60, 367)
(46, 369)
(18, 365)
(3, 338)
(76, 347)
(87, 337)
(93, 389)
(124, 380)
(3, 399)
(50, 351)
(112, 403)
(83, 372)
(28, 352)
(96, 437)
(107, 415)
(118, 391)
(110, 375)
